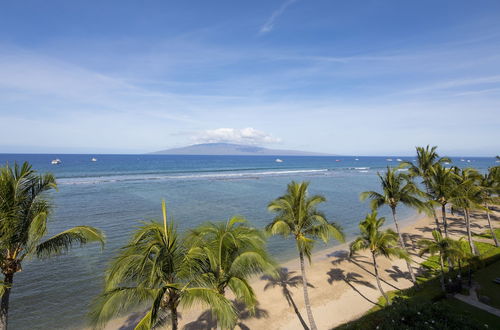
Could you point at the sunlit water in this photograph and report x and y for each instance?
(117, 191)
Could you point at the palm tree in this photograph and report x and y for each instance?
(397, 188)
(229, 254)
(24, 213)
(380, 243)
(489, 187)
(286, 279)
(442, 182)
(298, 217)
(446, 248)
(427, 158)
(467, 196)
(157, 268)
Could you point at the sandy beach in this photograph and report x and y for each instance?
(341, 289)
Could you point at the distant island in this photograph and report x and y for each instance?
(220, 149)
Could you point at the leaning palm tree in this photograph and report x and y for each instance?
(427, 158)
(379, 243)
(467, 196)
(446, 248)
(158, 269)
(397, 188)
(229, 253)
(489, 187)
(24, 213)
(298, 217)
(286, 279)
(441, 183)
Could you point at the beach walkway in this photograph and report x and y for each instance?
(472, 299)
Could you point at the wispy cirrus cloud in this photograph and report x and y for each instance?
(249, 136)
(269, 25)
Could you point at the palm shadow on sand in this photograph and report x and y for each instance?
(207, 321)
(285, 280)
(337, 274)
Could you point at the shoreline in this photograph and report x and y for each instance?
(275, 312)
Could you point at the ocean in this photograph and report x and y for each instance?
(117, 191)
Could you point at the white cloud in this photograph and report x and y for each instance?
(248, 135)
(269, 25)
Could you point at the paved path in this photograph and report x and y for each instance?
(473, 300)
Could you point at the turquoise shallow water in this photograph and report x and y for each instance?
(117, 191)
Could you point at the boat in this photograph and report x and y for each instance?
(93, 159)
(462, 160)
(56, 161)
(337, 160)
(389, 159)
(399, 160)
(278, 160)
(356, 159)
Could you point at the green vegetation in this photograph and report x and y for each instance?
(379, 243)
(298, 217)
(487, 287)
(24, 214)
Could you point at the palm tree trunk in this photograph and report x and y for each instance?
(403, 245)
(427, 189)
(174, 320)
(445, 223)
(4, 304)
(489, 225)
(306, 294)
(469, 234)
(296, 310)
(441, 263)
(378, 279)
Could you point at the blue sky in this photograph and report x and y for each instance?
(344, 77)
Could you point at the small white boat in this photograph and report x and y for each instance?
(468, 160)
(462, 160)
(56, 161)
(93, 159)
(278, 160)
(399, 160)
(389, 159)
(356, 159)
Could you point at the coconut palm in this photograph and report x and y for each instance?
(229, 254)
(297, 217)
(158, 269)
(286, 279)
(427, 158)
(441, 183)
(467, 196)
(379, 243)
(24, 213)
(446, 248)
(489, 187)
(397, 189)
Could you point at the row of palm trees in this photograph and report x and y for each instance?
(166, 271)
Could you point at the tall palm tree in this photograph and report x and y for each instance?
(285, 280)
(24, 213)
(379, 243)
(397, 188)
(489, 187)
(442, 182)
(229, 254)
(157, 268)
(446, 248)
(467, 196)
(297, 217)
(427, 158)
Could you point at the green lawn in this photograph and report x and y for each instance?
(488, 288)
(479, 315)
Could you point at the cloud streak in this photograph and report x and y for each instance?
(269, 25)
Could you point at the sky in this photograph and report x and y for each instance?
(353, 77)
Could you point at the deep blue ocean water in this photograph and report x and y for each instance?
(117, 191)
